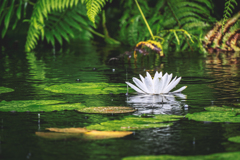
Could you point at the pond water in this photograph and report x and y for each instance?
(211, 80)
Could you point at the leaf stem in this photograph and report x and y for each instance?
(140, 10)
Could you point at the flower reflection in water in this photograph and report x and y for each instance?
(157, 104)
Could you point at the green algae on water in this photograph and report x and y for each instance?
(216, 114)
(216, 156)
(5, 90)
(88, 88)
(38, 105)
(222, 109)
(135, 123)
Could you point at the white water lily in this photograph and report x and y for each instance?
(160, 84)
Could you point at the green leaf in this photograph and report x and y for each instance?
(38, 105)
(5, 90)
(8, 16)
(19, 10)
(216, 114)
(2, 6)
(135, 123)
(4, 30)
(88, 88)
(94, 7)
(215, 156)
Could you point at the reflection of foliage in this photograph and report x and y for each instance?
(223, 67)
(36, 67)
(5, 90)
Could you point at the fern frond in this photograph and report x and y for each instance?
(37, 22)
(228, 10)
(94, 7)
(10, 14)
(192, 16)
(66, 25)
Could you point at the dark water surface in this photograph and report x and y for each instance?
(211, 80)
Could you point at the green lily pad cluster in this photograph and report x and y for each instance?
(216, 156)
(38, 105)
(5, 90)
(135, 123)
(88, 88)
(216, 114)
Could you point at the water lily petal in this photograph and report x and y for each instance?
(158, 85)
(169, 79)
(172, 85)
(165, 90)
(180, 89)
(134, 87)
(155, 83)
(142, 78)
(160, 74)
(163, 79)
(149, 76)
(149, 84)
(140, 85)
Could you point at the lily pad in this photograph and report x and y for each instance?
(38, 105)
(222, 109)
(216, 114)
(107, 110)
(88, 88)
(81, 133)
(234, 139)
(135, 123)
(216, 156)
(5, 90)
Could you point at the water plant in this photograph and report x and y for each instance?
(224, 36)
(38, 105)
(160, 84)
(216, 114)
(88, 88)
(75, 19)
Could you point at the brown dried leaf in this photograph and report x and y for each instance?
(105, 134)
(54, 135)
(68, 130)
(81, 133)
